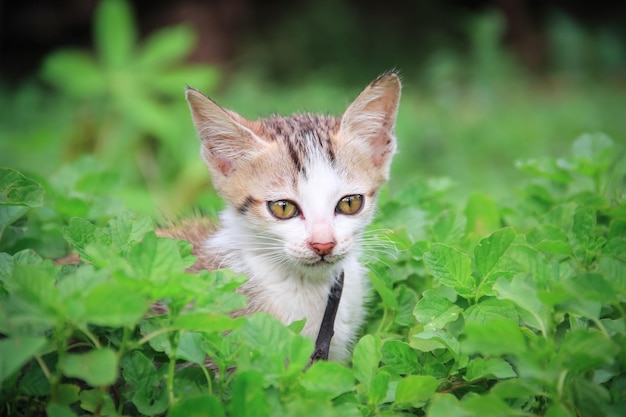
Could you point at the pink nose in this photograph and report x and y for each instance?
(322, 249)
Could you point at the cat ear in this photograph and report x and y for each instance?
(226, 141)
(371, 118)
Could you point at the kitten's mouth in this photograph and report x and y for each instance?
(324, 262)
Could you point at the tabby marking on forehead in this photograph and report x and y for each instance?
(303, 135)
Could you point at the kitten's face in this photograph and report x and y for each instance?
(303, 186)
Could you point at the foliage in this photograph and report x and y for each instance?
(497, 309)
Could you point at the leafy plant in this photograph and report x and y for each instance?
(513, 308)
(131, 94)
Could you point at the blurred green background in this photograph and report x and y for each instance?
(91, 92)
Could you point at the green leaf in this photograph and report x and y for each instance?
(115, 35)
(591, 286)
(112, 304)
(75, 73)
(550, 239)
(592, 153)
(584, 222)
(379, 389)
(18, 190)
(97, 367)
(416, 389)
(155, 258)
(81, 233)
(449, 227)
(488, 406)
(16, 351)
(490, 309)
(165, 47)
(190, 348)
(521, 291)
(584, 349)
(248, 397)
(198, 407)
(386, 293)
(435, 311)
(446, 405)
(59, 410)
(365, 359)
(97, 401)
(330, 378)
(207, 322)
(488, 368)
(452, 268)
(482, 214)
(487, 255)
(400, 357)
(139, 371)
(496, 337)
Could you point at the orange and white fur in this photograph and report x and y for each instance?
(299, 192)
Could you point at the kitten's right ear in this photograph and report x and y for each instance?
(226, 141)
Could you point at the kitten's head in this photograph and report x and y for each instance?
(304, 187)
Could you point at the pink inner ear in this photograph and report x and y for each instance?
(225, 166)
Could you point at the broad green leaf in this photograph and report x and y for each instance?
(18, 190)
(96, 400)
(207, 322)
(198, 407)
(81, 233)
(97, 367)
(482, 215)
(151, 401)
(114, 32)
(521, 291)
(10, 214)
(558, 410)
(488, 254)
(190, 348)
(386, 293)
(592, 153)
(488, 368)
(449, 227)
(583, 350)
(190, 382)
(155, 258)
(517, 388)
(446, 405)
(614, 271)
(490, 309)
(400, 357)
(435, 311)
(496, 337)
(59, 410)
(416, 389)
(266, 334)
(591, 286)
(248, 397)
(491, 250)
(488, 406)
(16, 351)
(165, 47)
(111, 304)
(452, 268)
(139, 371)
(584, 222)
(75, 73)
(330, 378)
(437, 339)
(379, 389)
(550, 239)
(365, 359)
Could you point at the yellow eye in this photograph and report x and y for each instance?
(350, 204)
(283, 209)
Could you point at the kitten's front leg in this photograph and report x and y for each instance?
(327, 329)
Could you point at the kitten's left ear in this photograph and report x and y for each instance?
(371, 118)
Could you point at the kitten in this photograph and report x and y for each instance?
(299, 192)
